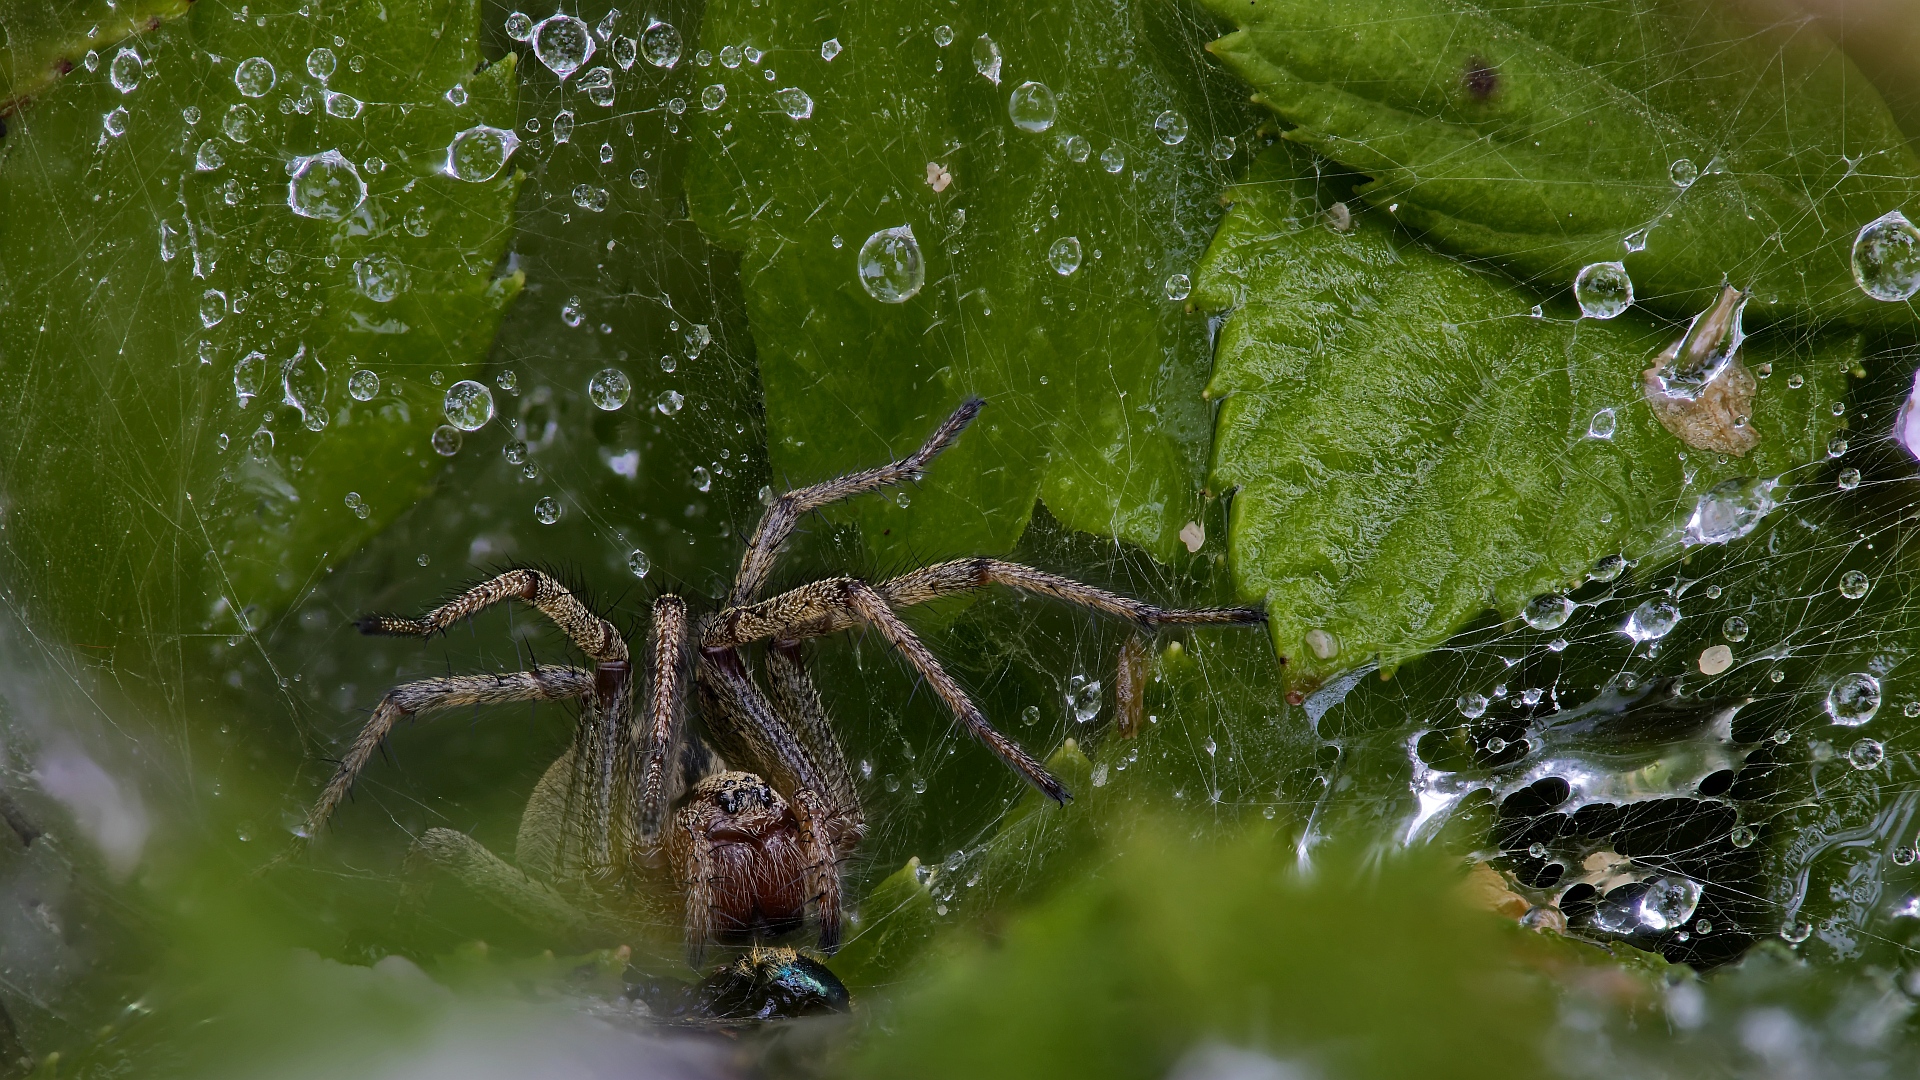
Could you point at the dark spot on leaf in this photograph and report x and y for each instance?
(1480, 79)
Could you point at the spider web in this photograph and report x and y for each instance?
(1778, 830)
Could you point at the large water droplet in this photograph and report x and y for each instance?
(669, 402)
(1602, 425)
(1178, 286)
(1471, 706)
(986, 59)
(697, 338)
(303, 385)
(445, 440)
(1853, 699)
(1547, 612)
(213, 308)
(1064, 255)
(1113, 158)
(1854, 584)
(325, 186)
(891, 267)
(343, 106)
(1603, 290)
(660, 44)
(480, 152)
(240, 122)
(469, 404)
(1730, 510)
(125, 71)
(115, 122)
(1683, 172)
(1083, 698)
(639, 564)
(209, 157)
(519, 26)
(597, 84)
(1668, 902)
(829, 49)
(1651, 621)
(362, 385)
(321, 63)
(1171, 127)
(1886, 258)
(625, 51)
(248, 374)
(1866, 754)
(1031, 106)
(1734, 629)
(547, 510)
(713, 97)
(563, 43)
(254, 76)
(380, 277)
(794, 102)
(609, 389)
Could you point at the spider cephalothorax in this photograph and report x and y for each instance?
(755, 852)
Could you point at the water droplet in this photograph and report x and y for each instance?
(1651, 621)
(303, 385)
(547, 510)
(1113, 159)
(1729, 510)
(1795, 382)
(325, 186)
(702, 479)
(1537, 849)
(588, 197)
(380, 277)
(1836, 446)
(1602, 425)
(1683, 172)
(1472, 706)
(125, 71)
(660, 44)
(1178, 286)
(1905, 855)
(343, 106)
(571, 312)
(1741, 836)
(986, 59)
(115, 122)
(1734, 629)
(1171, 127)
(713, 97)
(209, 157)
(563, 43)
(1223, 147)
(362, 385)
(1848, 479)
(254, 77)
(260, 445)
(638, 178)
(1854, 699)
(669, 402)
(213, 308)
(1064, 255)
(794, 102)
(609, 389)
(248, 374)
(1866, 754)
(608, 24)
(1083, 698)
(1031, 106)
(1668, 903)
(597, 84)
(1608, 568)
(1603, 290)
(890, 265)
(468, 405)
(1886, 258)
(479, 153)
(829, 49)
(729, 57)
(1547, 612)
(1796, 931)
(625, 52)
(519, 26)
(321, 62)
(1854, 585)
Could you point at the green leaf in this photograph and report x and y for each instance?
(1092, 376)
(156, 267)
(1547, 136)
(1411, 447)
(40, 43)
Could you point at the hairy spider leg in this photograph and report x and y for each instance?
(531, 901)
(778, 522)
(590, 633)
(665, 718)
(544, 683)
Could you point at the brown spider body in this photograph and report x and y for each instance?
(755, 815)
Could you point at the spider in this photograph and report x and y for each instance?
(753, 852)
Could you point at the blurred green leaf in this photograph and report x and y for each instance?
(1548, 135)
(156, 268)
(40, 43)
(1046, 239)
(1410, 446)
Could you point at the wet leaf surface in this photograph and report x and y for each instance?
(1689, 144)
(1411, 444)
